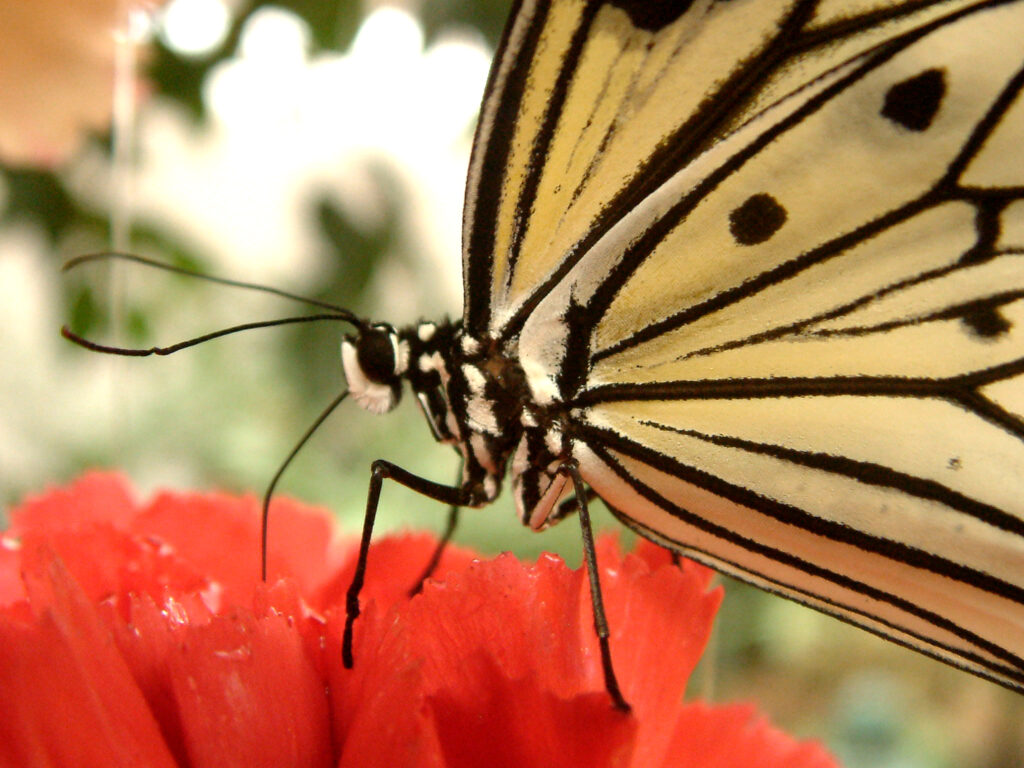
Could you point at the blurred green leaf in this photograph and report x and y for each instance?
(488, 18)
(181, 79)
(85, 316)
(40, 198)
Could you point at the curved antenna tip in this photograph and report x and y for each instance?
(92, 346)
(85, 258)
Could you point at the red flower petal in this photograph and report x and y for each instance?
(146, 638)
(231, 689)
(514, 644)
(734, 736)
(378, 714)
(69, 698)
(219, 535)
(505, 723)
(96, 497)
(661, 616)
(106, 562)
(248, 695)
(11, 588)
(394, 567)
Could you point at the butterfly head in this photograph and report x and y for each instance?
(375, 359)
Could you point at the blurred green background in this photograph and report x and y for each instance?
(320, 146)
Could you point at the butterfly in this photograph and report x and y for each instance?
(751, 272)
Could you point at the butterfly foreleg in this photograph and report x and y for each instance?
(569, 506)
(611, 683)
(456, 496)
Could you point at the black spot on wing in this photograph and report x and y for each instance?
(913, 103)
(652, 15)
(757, 219)
(986, 322)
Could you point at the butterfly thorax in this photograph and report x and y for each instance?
(473, 395)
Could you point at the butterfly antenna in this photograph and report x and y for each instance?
(116, 255)
(81, 341)
(280, 471)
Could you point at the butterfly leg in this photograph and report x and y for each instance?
(456, 496)
(569, 506)
(611, 684)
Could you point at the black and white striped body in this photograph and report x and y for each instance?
(474, 397)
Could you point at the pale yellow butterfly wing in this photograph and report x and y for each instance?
(592, 105)
(800, 357)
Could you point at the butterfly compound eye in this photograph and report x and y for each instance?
(375, 351)
(373, 364)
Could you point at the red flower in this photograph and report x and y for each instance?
(140, 635)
